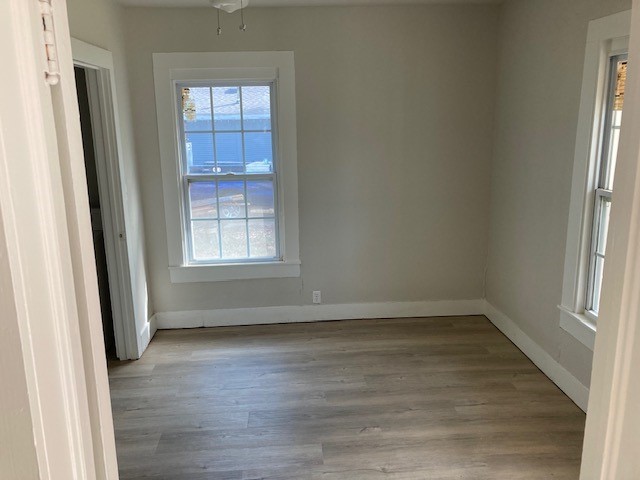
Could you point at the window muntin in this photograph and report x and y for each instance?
(228, 172)
(608, 153)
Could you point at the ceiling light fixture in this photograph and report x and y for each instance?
(230, 6)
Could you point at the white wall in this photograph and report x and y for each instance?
(394, 111)
(100, 22)
(542, 47)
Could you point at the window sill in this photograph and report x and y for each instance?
(581, 327)
(234, 271)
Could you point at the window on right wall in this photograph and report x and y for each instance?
(596, 151)
(610, 122)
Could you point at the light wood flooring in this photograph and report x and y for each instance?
(399, 399)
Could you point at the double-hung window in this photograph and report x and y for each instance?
(227, 136)
(607, 155)
(229, 171)
(596, 150)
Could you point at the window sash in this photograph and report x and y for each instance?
(190, 178)
(597, 254)
(605, 165)
(603, 192)
(219, 219)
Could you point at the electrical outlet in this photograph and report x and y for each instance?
(317, 296)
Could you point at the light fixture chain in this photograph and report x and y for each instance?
(243, 27)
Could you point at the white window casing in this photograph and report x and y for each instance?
(607, 36)
(276, 68)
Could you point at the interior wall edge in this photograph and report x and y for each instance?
(559, 375)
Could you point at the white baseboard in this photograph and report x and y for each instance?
(316, 313)
(147, 332)
(545, 362)
(153, 325)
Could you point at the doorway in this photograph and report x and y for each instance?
(94, 79)
(97, 226)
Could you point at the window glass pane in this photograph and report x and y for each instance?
(203, 202)
(262, 238)
(226, 108)
(260, 198)
(231, 196)
(205, 240)
(621, 83)
(227, 130)
(597, 283)
(196, 108)
(229, 153)
(617, 118)
(199, 152)
(614, 142)
(614, 114)
(603, 224)
(256, 108)
(234, 238)
(258, 152)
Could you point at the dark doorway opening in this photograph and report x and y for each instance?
(88, 145)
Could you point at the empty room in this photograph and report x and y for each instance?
(319, 239)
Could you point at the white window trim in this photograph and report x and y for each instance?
(605, 36)
(172, 68)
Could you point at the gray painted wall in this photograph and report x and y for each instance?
(100, 23)
(400, 149)
(394, 112)
(542, 47)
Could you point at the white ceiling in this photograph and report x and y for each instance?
(293, 3)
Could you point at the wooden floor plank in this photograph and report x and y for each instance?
(394, 399)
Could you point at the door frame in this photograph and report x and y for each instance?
(44, 209)
(98, 65)
(613, 417)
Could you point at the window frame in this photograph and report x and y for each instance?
(606, 37)
(173, 69)
(187, 178)
(603, 174)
